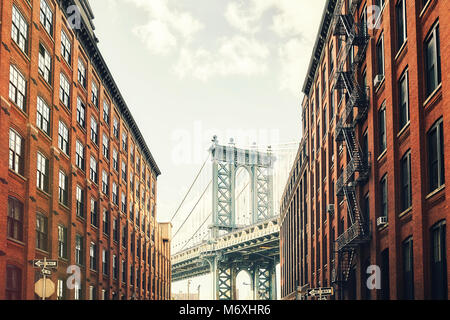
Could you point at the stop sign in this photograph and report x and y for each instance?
(49, 288)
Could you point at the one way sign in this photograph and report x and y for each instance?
(321, 292)
(45, 263)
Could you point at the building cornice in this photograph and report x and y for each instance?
(325, 23)
(89, 41)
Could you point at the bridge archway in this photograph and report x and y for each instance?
(243, 196)
(244, 285)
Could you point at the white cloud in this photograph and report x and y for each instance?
(290, 18)
(167, 26)
(294, 60)
(236, 56)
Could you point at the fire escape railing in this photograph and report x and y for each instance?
(358, 232)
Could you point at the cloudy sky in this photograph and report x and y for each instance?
(190, 69)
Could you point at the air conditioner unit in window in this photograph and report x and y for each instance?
(330, 208)
(382, 221)
(378, 79)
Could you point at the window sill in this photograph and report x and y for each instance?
(425, 8)
(17, 48)
(401, 50)
(432, 95)
(15, 241)
(404, 129)
(383, 227)
(405, 212)
(433, 193)
(381, 156)
(18, 175)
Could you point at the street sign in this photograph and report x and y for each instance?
(321, 292)
(45, 263)
(46, 272)
(44, 288)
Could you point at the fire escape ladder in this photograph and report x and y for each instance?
(357, 170)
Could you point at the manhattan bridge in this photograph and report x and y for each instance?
(228, 221)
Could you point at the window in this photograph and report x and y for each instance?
(94, 98)
(115, 156)
(63, 138)
(42, 172)
(105, 146)
(380, 56)
(17, 87)
(45, 63)
(115, 193)
(79, 250)
(438, 250)
(400, 14)
(405, 176)
(324, 79)
(92, 295)
(124, 141)
(408, 269)
(115, 262)
(94, 212)
(13, 283)
(61, 290)
(432, 60)
(15, 219)
(64, 90)
(62, 242)
(63, 188)
(124, 202)
(106, 222)
(81, 113)
(46, 17)
(94, 130)
(382, 129)
(66, 47)
(41, 232)
(80, 196)
(78, 291)
(43, 116)
(124, 171)
(131, 274)
(436, 166)
(105, 259)
(19, 30)
(383, 197)
(16, 152)
(81, 73)
(124, 271)
(93, 174)
(403, 100)
(331, 105)
(93, 256)
(115, 230)
(79, 155)
(116, 128)
(105, 182)
(106, 112)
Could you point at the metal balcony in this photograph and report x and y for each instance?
(357, 234)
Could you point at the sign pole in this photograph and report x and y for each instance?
(43, 287)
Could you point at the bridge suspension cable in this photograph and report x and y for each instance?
(190, 213)
(190, 188)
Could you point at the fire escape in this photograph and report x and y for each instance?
(358, 167)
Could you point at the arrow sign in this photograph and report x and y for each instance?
(321, 292)
(46, 272)
(45, 263)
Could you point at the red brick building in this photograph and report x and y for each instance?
(77, 180)
(376, 132)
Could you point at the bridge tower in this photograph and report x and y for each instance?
(226, 160)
